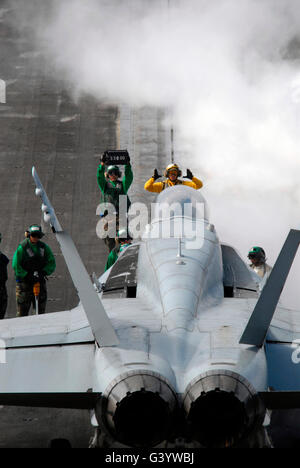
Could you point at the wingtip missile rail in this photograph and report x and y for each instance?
(47, 208)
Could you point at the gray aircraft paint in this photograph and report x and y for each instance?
(178, 338)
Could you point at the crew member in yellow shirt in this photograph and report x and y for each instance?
(172, 173)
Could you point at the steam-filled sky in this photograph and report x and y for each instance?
(229, 71)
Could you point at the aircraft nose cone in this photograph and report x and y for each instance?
(138, 409)
(220, 408)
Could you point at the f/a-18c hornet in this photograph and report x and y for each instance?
(173, 346)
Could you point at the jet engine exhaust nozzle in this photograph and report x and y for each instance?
(139, 409)
(221, 409)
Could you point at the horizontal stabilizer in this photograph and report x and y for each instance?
(100, 324)
(260, 320)
(51, 400)
(280, 400)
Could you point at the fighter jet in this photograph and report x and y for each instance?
(172, 347)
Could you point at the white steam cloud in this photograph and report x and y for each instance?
(230, 72)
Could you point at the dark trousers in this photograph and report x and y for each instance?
(3, 301)
(109, 240)
(25, 298)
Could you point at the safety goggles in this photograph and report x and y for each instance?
(36, 235)
(253, 255)
(113, 173)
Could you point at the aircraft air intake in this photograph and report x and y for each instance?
(221, 408)
(139, 409)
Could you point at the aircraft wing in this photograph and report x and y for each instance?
(57, 328)
(52, 368)
(48, 360)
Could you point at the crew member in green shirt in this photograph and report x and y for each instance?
(112, 187)
(32, 262)
(123, 240)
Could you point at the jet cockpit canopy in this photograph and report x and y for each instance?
(181, 200)
(179, 212)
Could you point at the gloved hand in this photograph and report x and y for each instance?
(103, 158)
(156, 175)
(41, 275)
(188, 175)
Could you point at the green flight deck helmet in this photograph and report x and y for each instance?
(35, 231)
(257, 253)
(114, 170)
